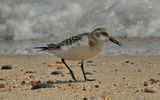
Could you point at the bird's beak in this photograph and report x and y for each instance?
(115, 41)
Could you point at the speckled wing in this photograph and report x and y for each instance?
(66, 43)
(72, 40)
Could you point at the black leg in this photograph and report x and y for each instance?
(85, 78)
(71, 72)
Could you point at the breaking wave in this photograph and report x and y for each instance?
(58, 19)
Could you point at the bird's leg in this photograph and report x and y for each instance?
(71, 72)
(85, 78)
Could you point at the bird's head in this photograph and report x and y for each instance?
(101, 35)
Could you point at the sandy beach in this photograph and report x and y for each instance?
(117, 78)
(128, 72)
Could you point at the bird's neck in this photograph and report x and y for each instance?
(99, 45)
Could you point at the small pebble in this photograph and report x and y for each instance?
(84, 89)
(145, 84)
(104, 97)
(42, 85)
(96, 86)
(6, 67)
(50, 82)
(2, 86)
(35, 82)
(32, 77)
(44, 63)
(94, 70)
(30, 71)
(60, 67)
(85, 98)
(56, 72)
(99, 82)
(2, 79)
(59, 62)
(116, 70)
(115, 84)
(131, 63)
(23, 82)
(153, 80)
(127, 61)
(89, 61)
(139, 70)
(150, 89)
(50, 65)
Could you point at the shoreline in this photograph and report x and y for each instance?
(131, 47)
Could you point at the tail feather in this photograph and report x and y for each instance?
(41, 48)
(50, 46)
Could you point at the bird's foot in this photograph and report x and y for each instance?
(86, 79)
(73, 77)
(75, 80)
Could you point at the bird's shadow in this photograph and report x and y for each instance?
(64, 82)
(51, 84)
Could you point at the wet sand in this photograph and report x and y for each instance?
(117, 78)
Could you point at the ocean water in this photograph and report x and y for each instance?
(58, 19)
(23, 22)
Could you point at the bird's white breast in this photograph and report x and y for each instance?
(77, 51)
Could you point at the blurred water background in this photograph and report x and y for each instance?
(28, 23)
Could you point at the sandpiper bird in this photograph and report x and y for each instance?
(80, 47)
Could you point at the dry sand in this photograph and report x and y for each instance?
(117, 78)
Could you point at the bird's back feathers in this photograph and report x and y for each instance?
(67, 42)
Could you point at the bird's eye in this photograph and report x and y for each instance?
(104, 33)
